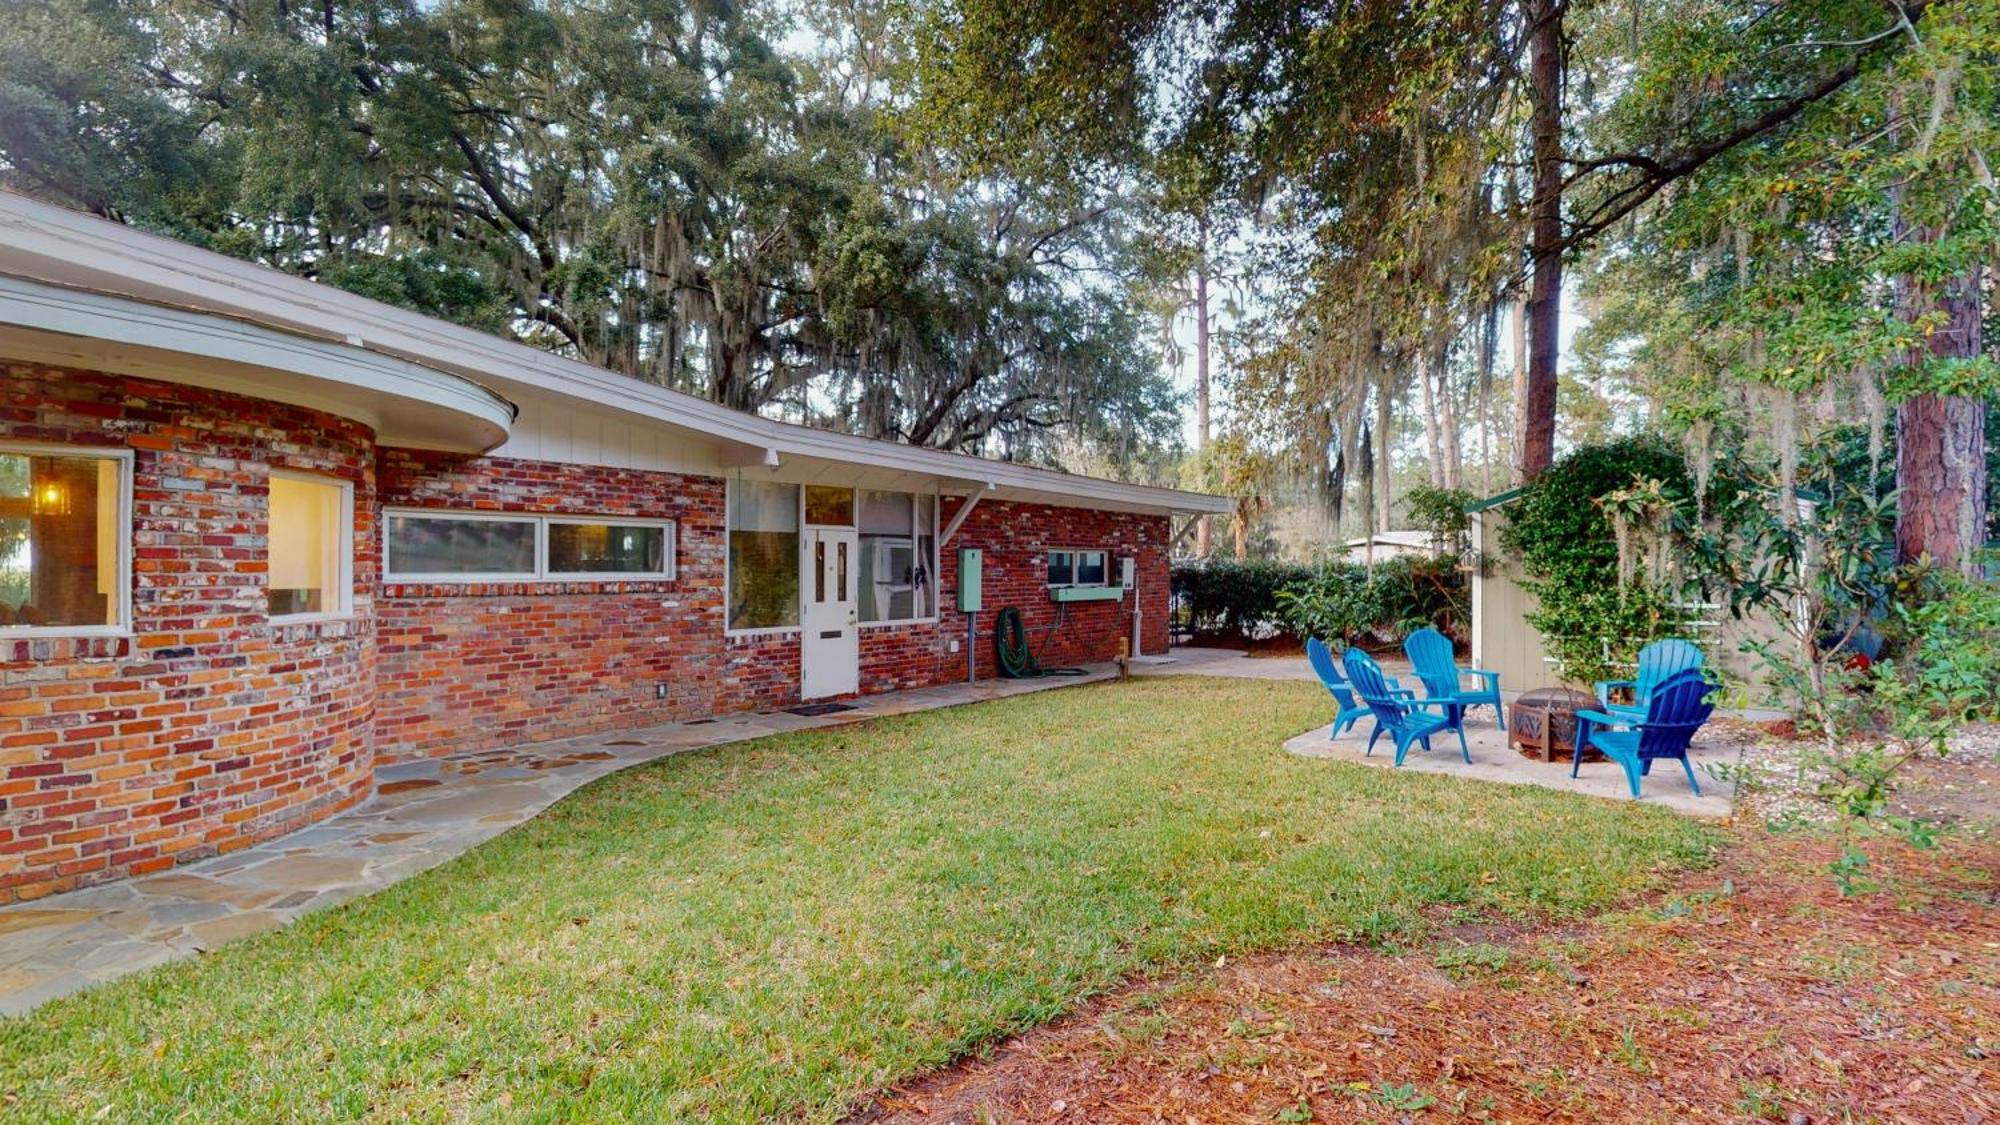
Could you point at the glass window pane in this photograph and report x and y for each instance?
(59, 535)
(308, 536)
(763, 555)
(922, 570)
(763, 579)
(1062, 570)
(888, 573)
(434, 545)
(1090, 568)
(829, 505)
(756, 505)
(607, 548)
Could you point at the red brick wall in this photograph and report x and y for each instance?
(1016, 539)
(209, 727)
(474, 666)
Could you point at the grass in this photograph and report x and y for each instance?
(778, 927)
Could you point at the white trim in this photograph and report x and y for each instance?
(669, 550)
(126, 463)
(458, 578)
(343, 554)
(958, 517)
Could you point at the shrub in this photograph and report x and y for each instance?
(1346, 601)
(1592, 622)
(1227, 596)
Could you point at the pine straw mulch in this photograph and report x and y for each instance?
(1750, 990)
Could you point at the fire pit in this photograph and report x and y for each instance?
(1542, 723)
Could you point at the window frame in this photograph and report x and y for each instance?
(343, 578)
(459, 578)
(729, 564)
(123, 457)
(916, 537)
(668, 550)
(541, 572)
(1075, 554)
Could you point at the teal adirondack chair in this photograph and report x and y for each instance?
(1328, 670)
(1657, 663)
(1430, 653)
(1674, 712)
(1399, 713)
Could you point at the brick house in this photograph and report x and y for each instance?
(259, 536)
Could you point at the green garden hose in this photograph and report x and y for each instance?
(1010, 646)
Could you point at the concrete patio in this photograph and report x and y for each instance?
(1494, 760)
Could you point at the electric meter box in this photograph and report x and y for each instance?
(1128, 572)
(970, 563)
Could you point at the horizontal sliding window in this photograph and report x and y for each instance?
(469, 547)
(1076, 568)
(614, 550)
(63, 534)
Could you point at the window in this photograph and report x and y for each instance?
(477, 547)
(764, 555)
(64, 547)
(1076, 568)
(311, 537)
(830, 505)
(626, 549)
(898, 534)
(460, 547)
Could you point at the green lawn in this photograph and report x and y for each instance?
(778, 927)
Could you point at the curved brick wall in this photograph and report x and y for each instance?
(209, 728)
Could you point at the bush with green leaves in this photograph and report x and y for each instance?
(1225, 596)
(1592, 623)
(1347, 602)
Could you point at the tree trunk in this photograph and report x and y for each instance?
(1545, 66)
(1384, 467)
(1941, 439)
(1489, 331)
(1448, 414)
(1203, 543)
(1433, 423)
(1517, 436)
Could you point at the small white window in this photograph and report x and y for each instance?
(1069, 567)
(65, 541)
(460, 547)
(311, 545)
(611, 549)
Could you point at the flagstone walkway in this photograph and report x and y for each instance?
(423, 814)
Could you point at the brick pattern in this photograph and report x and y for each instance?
(209, 727)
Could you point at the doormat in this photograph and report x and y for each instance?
(812, 709)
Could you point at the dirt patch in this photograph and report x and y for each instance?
(1750, 991)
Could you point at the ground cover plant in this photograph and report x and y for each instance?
(781, 927)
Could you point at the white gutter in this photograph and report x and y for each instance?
(67, 248)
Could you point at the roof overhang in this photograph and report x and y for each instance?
(86, 255)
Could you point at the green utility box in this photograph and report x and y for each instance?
(970, 560)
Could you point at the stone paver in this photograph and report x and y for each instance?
(423, 814)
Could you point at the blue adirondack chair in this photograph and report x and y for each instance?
(1676, 709)
(1431, 655)
(1657, 662)
(1328, 670)
(1399, 713)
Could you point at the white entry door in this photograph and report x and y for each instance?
(830, 654)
